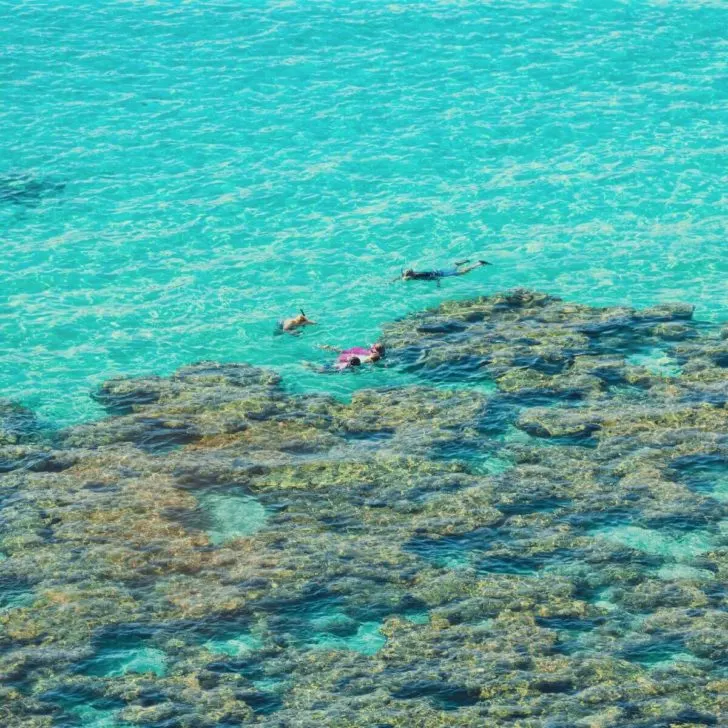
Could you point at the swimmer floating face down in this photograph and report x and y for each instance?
(297, 322)
(356, 355)
(460, 268)
(366, 354)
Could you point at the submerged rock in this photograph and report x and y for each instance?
(220, 552)
(18, 424)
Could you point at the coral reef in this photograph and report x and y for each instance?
(217, 552)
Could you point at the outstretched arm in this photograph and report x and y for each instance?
(326, 347)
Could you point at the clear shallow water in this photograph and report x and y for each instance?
(197, 171)
(176, 178)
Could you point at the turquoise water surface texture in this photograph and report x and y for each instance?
(518, 518)
(177, 176)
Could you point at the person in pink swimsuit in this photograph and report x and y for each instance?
(356, 355)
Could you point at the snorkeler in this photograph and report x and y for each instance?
(349, 358)
(363, 354)
(340, 365)
(292, 324)
(460, 269)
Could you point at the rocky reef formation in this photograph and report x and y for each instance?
(218, 552)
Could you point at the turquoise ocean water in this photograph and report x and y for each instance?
(176, 176)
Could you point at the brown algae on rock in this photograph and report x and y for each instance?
(218, 552)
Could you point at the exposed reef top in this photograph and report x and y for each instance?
(218, 552)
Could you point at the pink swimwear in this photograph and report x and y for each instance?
(359, 351)
(344, 360)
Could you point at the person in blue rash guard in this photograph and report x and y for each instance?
(458, 269)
